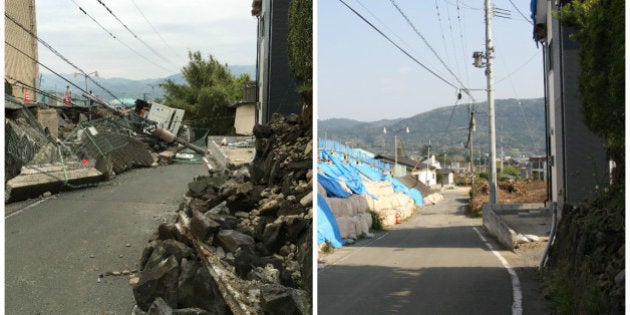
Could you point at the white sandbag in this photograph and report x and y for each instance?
(346, 227)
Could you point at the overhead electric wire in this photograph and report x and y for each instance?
(40, 91)
(390, 30)
(520, 106)
(439, 21)
(461, 37)
(465, 6)
(517, 68)
(431, 48)
(397, 46)
(450, 28)
(501, 13)
(118, 39)
(46, 67)
(521, 13)
(58, 54)
(153, 27)
(134, 34)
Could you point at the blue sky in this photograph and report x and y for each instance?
(223, 28)
(362, 76)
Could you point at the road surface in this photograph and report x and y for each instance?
(434, 263)
(56, 249)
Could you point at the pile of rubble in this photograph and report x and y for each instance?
(55, 149)
(242, 241)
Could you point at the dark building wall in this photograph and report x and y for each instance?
(281, 89)
(583, 153)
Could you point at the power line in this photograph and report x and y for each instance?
(439, 18)
(465, 6)
(397, 46)
(390, 30)
(517, 68)
(58, 54)
(430, 47)
(47, 68)
(461, 37)
(118, 39)
(521, 13)
(450, 28)
(154, 29)
(134, 34)
(40, 91)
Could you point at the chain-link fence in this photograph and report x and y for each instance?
(33, 158)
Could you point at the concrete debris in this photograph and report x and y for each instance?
(248, 234)
(68, 151)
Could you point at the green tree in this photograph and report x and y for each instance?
(210, 89)
(601, 33)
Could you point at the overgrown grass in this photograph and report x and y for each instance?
(327, 248)
(560, 291)
(377, 224)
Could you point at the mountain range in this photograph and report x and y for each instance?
(127, 88)
(520, 126)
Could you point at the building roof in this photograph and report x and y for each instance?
(400, 160)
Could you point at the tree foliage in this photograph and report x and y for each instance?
(300, 41)
(210, 89)
(601, 34)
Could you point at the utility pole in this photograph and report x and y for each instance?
(493, 140)
(428, 157)
(395, 146)
(87, 101)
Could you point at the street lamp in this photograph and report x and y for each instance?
(86, 75)
(395, 144)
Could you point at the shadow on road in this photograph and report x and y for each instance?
(384, 290)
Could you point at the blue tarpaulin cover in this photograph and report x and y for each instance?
(327, 228)
(411, 192)
(332, 187)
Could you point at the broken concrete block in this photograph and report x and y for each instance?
(159, 307)
(231, 240)
(158, 281)
(197, 289)
(192, 311)
(202, 226)
(277, 300)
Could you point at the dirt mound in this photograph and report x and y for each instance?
(508, 193)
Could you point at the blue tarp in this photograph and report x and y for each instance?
(369, 172)
(332, 187)
(350, 175)
(327, 228)
(411, 192)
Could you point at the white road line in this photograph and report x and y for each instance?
(517, 306)
(27, 207)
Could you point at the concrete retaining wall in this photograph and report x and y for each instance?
(505, 233)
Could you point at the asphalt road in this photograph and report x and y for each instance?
(56, 249)
(433, 263)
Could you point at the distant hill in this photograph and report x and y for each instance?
(126, 88)
(520, 128)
